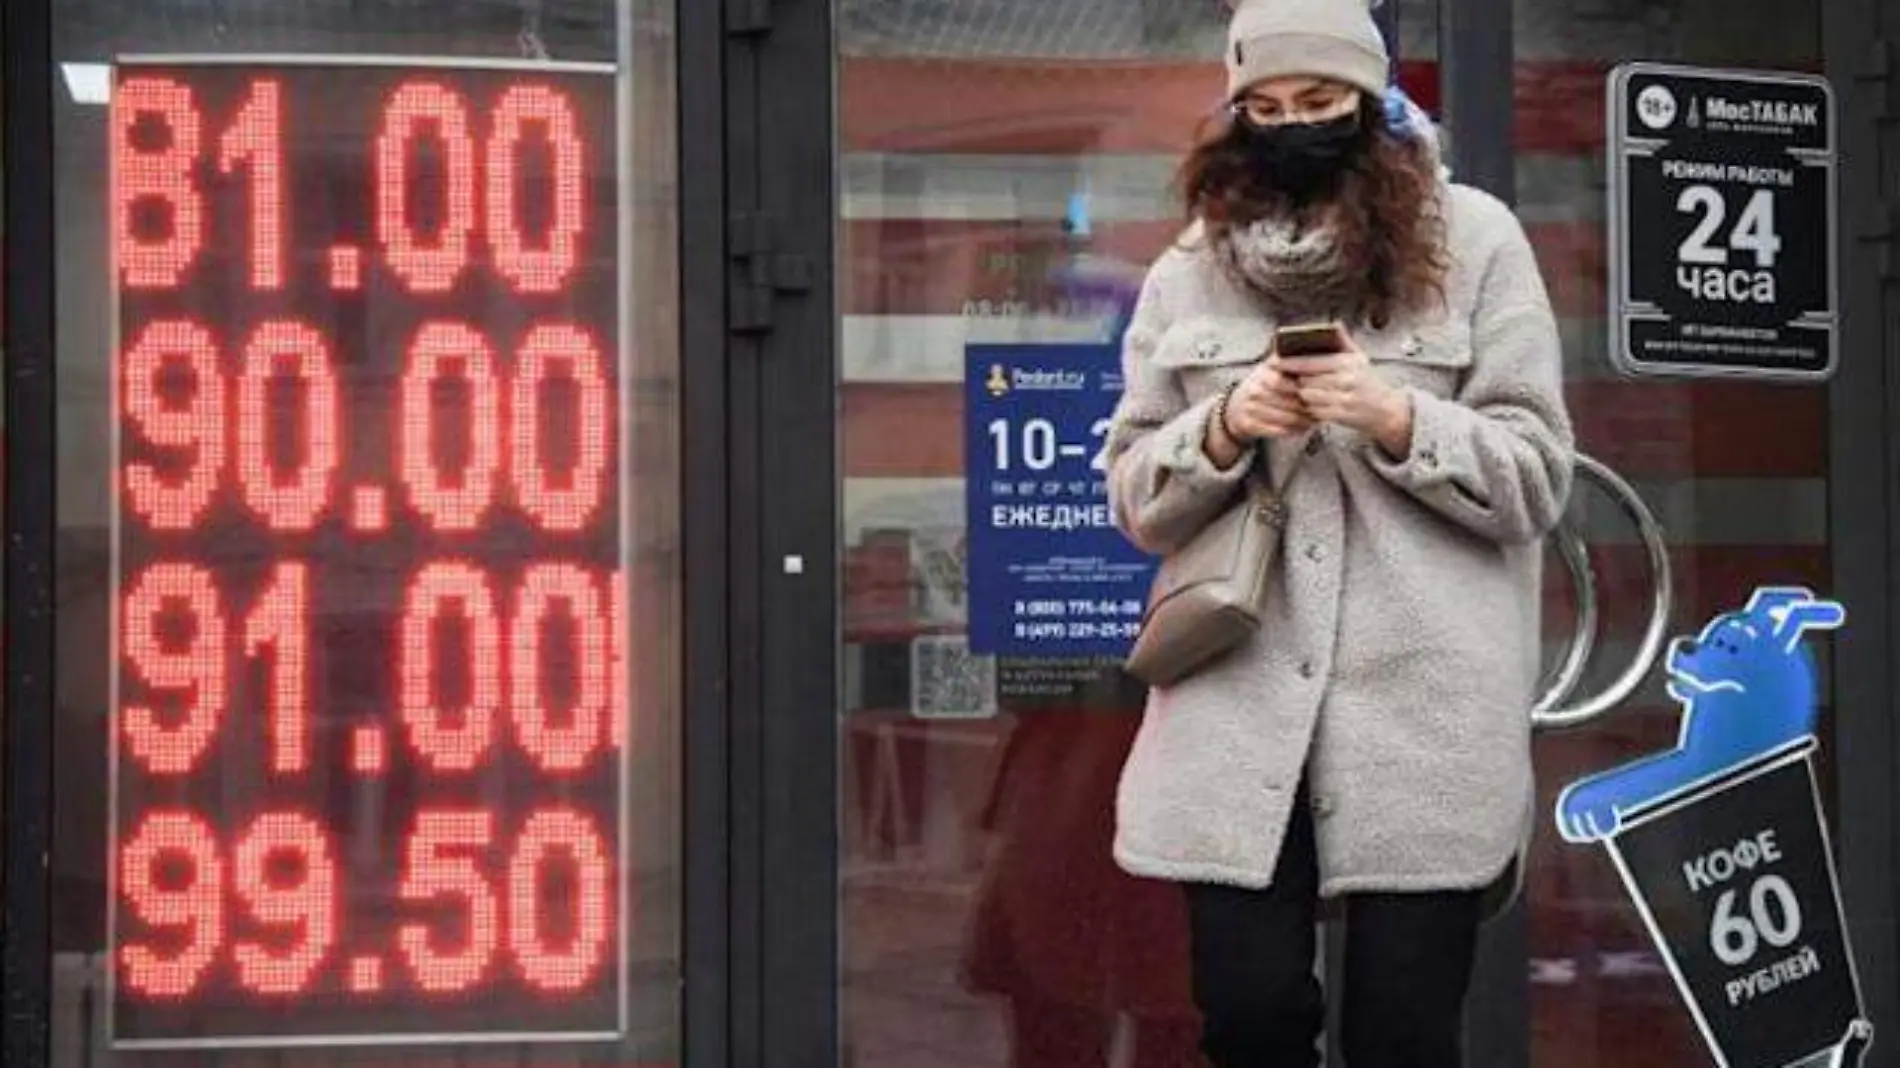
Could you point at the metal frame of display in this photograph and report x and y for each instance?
(30, 320)
(712, 947)
(29, 79)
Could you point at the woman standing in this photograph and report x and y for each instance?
(1372, 742)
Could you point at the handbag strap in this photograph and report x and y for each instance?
(1259, 481)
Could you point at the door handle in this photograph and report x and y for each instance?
(1551, 712)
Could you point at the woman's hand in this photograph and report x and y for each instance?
(1266, 404)
(1344, 389)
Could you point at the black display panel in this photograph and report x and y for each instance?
(369, 685)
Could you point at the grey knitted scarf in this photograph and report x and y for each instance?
(1296, 271)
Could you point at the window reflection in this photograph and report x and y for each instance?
(993, 152)
(1735, 511)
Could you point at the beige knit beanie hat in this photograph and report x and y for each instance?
(1318, 38)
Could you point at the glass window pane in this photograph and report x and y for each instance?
(1736, 508)
(991, 149)
(368, 483)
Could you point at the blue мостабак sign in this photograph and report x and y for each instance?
(1050, 575)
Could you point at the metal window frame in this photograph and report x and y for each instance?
(712, 945)
(30, 527)
(800, 501)
(783, 502)
(1864, 513)
(1477, 79)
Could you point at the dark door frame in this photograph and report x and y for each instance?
(28, 81)
(1477, 79)
(1863, 513)
(781, 372)
(713, 943)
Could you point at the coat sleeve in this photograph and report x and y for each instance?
(1162, 487)
(1498, 457)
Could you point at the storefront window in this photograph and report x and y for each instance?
(1005, 169)
(1737, 509)
(368, 712)
(997, 156)
(1006, 172)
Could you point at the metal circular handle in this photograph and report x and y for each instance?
(1545, 717)
(1583, 627)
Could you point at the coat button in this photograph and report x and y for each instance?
(1315, 553)
(1307, 670)
(1207, 350)
(1314, 444)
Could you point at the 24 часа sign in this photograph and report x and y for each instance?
(1722, 223)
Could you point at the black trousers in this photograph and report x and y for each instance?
(1407, 969)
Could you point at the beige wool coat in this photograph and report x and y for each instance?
(1396, 666)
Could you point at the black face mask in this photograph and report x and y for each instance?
(1302, 158)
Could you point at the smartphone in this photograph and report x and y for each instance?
(1308, 339)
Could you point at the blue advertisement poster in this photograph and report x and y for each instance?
(1049, 574)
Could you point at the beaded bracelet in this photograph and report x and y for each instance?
(1218, 417)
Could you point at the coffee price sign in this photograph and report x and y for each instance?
(1722, 224)
(1724, 848)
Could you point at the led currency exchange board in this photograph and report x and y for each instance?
(369, 688)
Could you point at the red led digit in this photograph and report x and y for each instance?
(620, 697)
(569, 748)
(565, 503)
(366, 975)
(175, 503)
(293, 504)
(255, 141)
(346, 269)
(369, 750)
(171, 879)
(431, 873)
(442, 745)
(458, 504)
(304, 901)
(423, 266)
(543, 269)
(281, 623)
(145, 176)
(570, 837)
(196, 672)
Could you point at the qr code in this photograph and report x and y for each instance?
(939, 561)
(947, 682)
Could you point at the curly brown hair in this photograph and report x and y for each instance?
(1385, 204)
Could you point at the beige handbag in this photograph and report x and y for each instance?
(1208, 596)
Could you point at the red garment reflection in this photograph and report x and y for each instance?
(1089, 956)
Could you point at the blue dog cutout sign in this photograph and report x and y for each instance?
(1723, 846)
